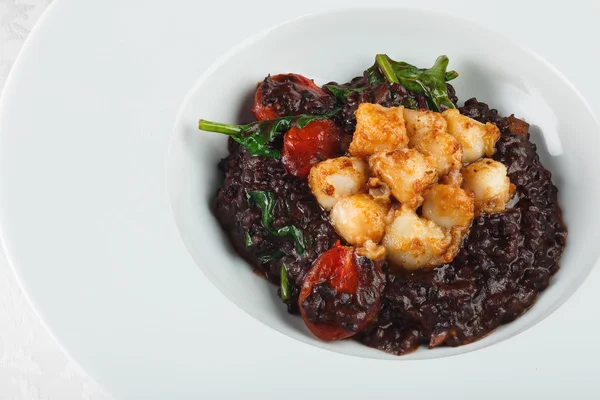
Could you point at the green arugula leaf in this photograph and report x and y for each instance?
(386, 68)
(257, 135)
(375, 75)
(451, 75)
(266, 202)
(341, 93)
(270, 257)
(285, 285)
(430, 82)
(247, 239)
(296, 234)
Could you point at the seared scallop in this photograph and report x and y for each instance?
(477, 139)
(449, 206)
(407, 172)
(488, 180)
(358, 219)
(443, 148)
(335, 178)
(378, 128)
(420, 122)
(412, 242)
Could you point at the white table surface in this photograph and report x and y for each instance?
(33, 367)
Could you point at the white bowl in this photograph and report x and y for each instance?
(491, 68)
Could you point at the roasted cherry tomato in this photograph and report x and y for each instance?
(341, 293)
(305, 147)
(292, 86)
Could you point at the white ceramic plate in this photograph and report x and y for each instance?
(110, 234)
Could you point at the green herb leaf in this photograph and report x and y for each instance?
(266, 202)
(247, 239)
(256, 136)
(270, 257)
(296, 234)
(386, 68)
(430, 82)
(434, 83)
(341, 93)
(451, 75)
(285, 285)
(375, 75)
(410, 102)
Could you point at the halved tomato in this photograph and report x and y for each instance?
(341, 293)
(300, 84)
(305, 147)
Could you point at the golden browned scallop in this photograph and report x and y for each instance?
(423, 121)
(448, 206)
(358, 219)
(488, 180)
(412, 242)
(442, 147)
(407, 172)
(335, 178)
(477, 139)
(378, 128)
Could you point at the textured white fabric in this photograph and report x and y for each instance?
(32, 366)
